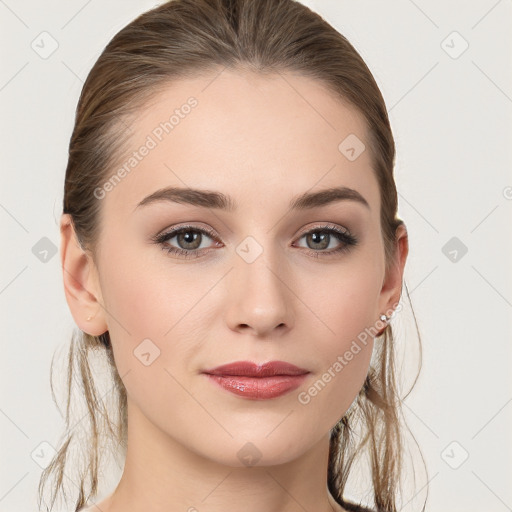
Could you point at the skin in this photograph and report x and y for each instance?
(262, 142)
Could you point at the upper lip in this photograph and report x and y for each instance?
(250, 369)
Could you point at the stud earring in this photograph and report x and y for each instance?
(383, 318)
(89, 318)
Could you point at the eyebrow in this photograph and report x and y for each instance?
(220, 201)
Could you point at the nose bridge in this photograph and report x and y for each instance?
(262, 274)
(259, 296)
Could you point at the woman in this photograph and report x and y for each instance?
(230, 243)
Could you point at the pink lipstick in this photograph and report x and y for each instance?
(258, 382)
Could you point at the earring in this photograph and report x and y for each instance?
(383, 318)
(89, 318)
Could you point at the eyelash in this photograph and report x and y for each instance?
(343, 236)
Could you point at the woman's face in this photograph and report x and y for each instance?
(263, 281)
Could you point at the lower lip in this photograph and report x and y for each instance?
(258, 388)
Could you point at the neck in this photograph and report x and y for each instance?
(162, 475)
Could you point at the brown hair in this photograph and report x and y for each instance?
(187, 38)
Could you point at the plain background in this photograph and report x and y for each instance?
(451, 112)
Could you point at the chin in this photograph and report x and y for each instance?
(258, 450)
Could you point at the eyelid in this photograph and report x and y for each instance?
(326, 225)
(181, 227)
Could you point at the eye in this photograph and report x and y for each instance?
(189, 239)
(320, 238)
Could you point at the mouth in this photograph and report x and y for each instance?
(257, 382)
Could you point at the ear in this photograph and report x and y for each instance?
(81, 283)
(392, 285)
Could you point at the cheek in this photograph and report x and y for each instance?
(350, 304)
(146, 299)
(348, 313)
(132, 301)
(133, 298)
(144, 293)
(343, 363)
(149, 311)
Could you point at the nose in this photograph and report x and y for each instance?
(259, 298)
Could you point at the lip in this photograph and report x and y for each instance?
(250, 369)
(258, 382)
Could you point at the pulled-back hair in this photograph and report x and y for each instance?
(186, 39)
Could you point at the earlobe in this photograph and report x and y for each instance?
(81, 286)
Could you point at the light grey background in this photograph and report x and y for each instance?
(451, 113)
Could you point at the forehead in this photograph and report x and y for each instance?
(252, 136)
